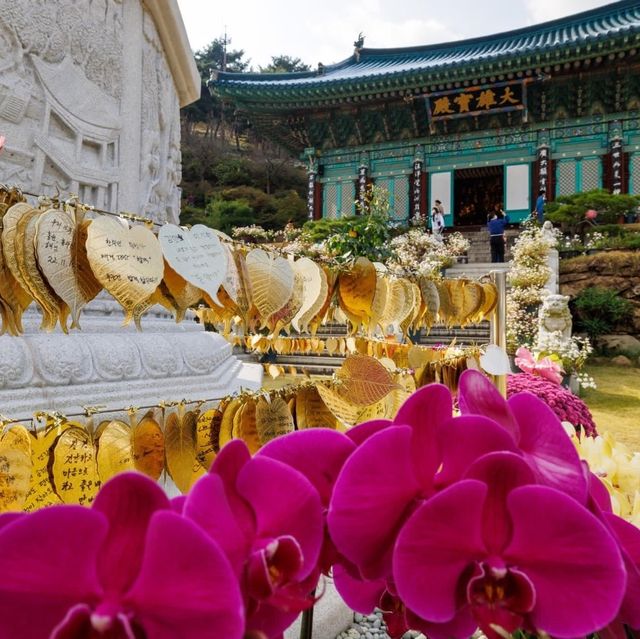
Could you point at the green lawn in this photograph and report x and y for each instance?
(615, 404)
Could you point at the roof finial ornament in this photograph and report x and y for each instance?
(320, 70)
(358, 46)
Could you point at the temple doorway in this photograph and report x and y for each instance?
(476, 193)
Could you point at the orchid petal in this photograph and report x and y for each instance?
(434, 548)
(464, 439)
(598, 493)
(570, 558)
(358, 434)
(207, 505)
(127, 501)
(284, 503)
(547, 447)
(359, 594)
(227, 465)
(317, 453)
(425, 411)
(478, 396)
(7, 518)
(628, 537)
(177, 503)
(370, 500)
(37, 550)
(270, 620)
(186, 587)
(502, 472)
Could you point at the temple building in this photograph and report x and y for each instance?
(476, 123)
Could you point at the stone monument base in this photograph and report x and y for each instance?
(113, 366)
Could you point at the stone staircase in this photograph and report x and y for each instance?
(479, 250)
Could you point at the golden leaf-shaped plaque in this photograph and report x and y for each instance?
(490, 299)
(379, 304)
(448, 311)
(231, 282)
(431, 300)
(115, 450)
(88, 285)
(53, 308)
(74, 471)
(271, 279)
(41, 493)
(148, 448)
(364, 380)
(127, 262)
(183, 294)
(472, 301)
(283, 317)
(9, 232)
(180, 450)
(332, 282)
(205, 449)
(226, 425)
(396, 304)
(357, 288)
(273, 418)
(379, 410)
(13, 296)
(456, 295)
(342, 408)
(55, 232)
(311, 411)
(197, 255)
(313, 279)
(15, 468)
(244, 426)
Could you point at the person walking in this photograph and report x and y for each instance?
(539, 210)
(437, 222)
(497, 238)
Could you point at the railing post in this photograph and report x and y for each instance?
(498, 324)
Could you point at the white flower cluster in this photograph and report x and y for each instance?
(573, 352)
(586, 381)
(417, 252)
(528, 276)
(254, 231)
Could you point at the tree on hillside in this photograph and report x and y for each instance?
(209, 109)
(285, 64)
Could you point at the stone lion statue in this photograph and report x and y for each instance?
(554, 316)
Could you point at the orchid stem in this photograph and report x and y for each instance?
(306, 625)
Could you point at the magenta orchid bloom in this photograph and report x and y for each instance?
(384, 477)
(267, 517)
(510, 554)
(319, 454)
(544, 367)
(126, 568)
(535, 429)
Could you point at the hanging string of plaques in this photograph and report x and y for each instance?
(60, 256)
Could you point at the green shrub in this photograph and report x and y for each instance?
(598, 310)
(225, 215)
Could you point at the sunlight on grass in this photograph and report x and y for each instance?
(616, 402)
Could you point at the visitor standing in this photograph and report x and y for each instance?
(437, 221)
(539, 210)
(496, 226)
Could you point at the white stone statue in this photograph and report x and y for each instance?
(554, 317)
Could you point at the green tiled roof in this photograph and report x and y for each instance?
(611, 28)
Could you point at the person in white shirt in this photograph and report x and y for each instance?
(437, 221)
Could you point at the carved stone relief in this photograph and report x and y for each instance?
(62, 85)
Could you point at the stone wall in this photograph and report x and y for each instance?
(617, 270)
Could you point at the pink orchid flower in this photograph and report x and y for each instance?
(124, 569)
(508, 554)
(545, 367)
(267, 517)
